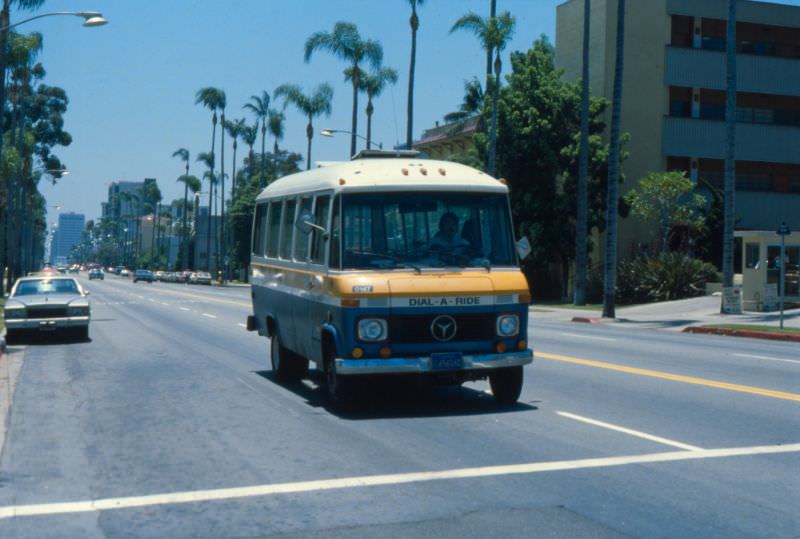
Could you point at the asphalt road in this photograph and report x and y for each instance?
(169, 424)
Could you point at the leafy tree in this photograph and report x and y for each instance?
(346, 43)
(311, 105)
(669, 199)
(494, 33)
(212, 99)
(249, 136)
(183, 155)
(414, 22)
(276, 128)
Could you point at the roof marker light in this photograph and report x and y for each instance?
(342, 181)
(404, 171)
(503, 181)
(424, 171)
(443, 172)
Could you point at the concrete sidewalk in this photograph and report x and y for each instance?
(671, 315)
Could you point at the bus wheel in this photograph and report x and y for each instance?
(286, 365)
(339, 387)
(506, 384)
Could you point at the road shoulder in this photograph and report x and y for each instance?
(10, 367)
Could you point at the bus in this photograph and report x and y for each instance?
(390, 264)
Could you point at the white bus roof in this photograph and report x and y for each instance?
(389, 174)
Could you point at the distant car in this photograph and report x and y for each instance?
(46, 304)
(96, 274)
(124, 272)
(160, 275)
(200, 277)
(62, 270)
(143, 275)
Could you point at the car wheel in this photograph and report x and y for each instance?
(340, 388)
(506, 384)
(287, 366)
(12, 337)
(82, 333)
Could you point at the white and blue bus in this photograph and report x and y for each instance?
(390, 265)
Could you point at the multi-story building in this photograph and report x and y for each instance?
(673, 97)
(203, 245)
(450, 140)
(70, 229)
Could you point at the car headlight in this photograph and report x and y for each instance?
(507, 325)
(17, 313)
(82, 310)
(372, 329)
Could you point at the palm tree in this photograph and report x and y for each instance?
(183, 154)
(472, 103)
(494, 33)
(581, 226)
(260, 109)
(345, 42)
(249, 136)
(610, 280)
(730, 154)
(414, 22)
(313, 105)
(492, 13)
(275, 123)
(208, 160)
(220, 230)
(190, 183)
(373, 84)
(235, 132)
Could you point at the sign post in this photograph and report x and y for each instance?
(783, 231)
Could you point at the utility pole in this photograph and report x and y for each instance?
(783, 231)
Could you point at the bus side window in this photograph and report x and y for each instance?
(336, 236)
(274, 229)
(287, 229)
(302, 240)
(321, 209)
(260, 230)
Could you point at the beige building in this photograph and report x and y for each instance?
(674, 97)
(450, 140)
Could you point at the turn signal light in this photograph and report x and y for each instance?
(524, 298)
(522, 345)
(357, 353)
(385, 352)
(500, 347)
(350, 303)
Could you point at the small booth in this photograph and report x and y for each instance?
(761, 268)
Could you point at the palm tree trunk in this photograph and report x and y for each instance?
(369, 122)
(221, 232)
(730, 147)
(493, 140)
(412, 65)
(579, 296)
(354, 128)
(153, 237)
(490, 50)
(263, 182)
(310, 135)
(610, 281)
(185, 234)
(233, 172)
(210, 193)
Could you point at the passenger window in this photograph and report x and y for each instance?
(336, 237)
(287, 229)
(317, 237)
(301, 241)
(260, 230)
(274, 229)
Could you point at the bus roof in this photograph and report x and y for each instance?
(389, 174)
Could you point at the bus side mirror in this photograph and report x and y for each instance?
(523, 247)
(305, 223)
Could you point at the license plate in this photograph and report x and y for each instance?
(447, 361)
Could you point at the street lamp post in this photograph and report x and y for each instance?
(783, 231)
(330, 132)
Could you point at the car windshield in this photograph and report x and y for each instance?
(431, 229)
(46, 286)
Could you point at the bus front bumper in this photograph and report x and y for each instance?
(418, 365)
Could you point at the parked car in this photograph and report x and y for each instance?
(143, 275)
(96, 274)
(200, 277)
(124, 272)
(46, 304)
(159, 275)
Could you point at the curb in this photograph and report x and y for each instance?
(586, 319)
(751, 333)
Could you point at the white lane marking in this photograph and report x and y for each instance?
(632, 432)
(577, 336)
(165, 304)
(196, 496)
(185, 309)
(241, 325)
(751, 356)
(140, 297)
(209, 315)
(151, 299)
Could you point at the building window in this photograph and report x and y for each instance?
(752, 254)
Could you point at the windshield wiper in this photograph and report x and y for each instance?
(416, 268)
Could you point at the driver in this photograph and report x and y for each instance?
(447, 238)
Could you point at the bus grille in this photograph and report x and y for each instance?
(417, 328)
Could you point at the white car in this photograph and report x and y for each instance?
(47, 304)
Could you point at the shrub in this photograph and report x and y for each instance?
(663, 278)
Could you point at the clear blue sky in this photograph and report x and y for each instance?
(132, 83)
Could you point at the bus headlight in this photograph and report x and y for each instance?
(372, 329)
(507, 325)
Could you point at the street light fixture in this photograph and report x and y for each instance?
(330, 132)
(90, 18)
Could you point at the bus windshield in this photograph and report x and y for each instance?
(425, 229)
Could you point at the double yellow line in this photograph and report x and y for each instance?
(674, 377)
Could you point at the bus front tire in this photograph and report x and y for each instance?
(506, 384)
(286, 365)
(339, 387)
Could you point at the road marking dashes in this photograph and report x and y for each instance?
(632, 432)
(751, 356)
(578, 336)
(209, 315)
